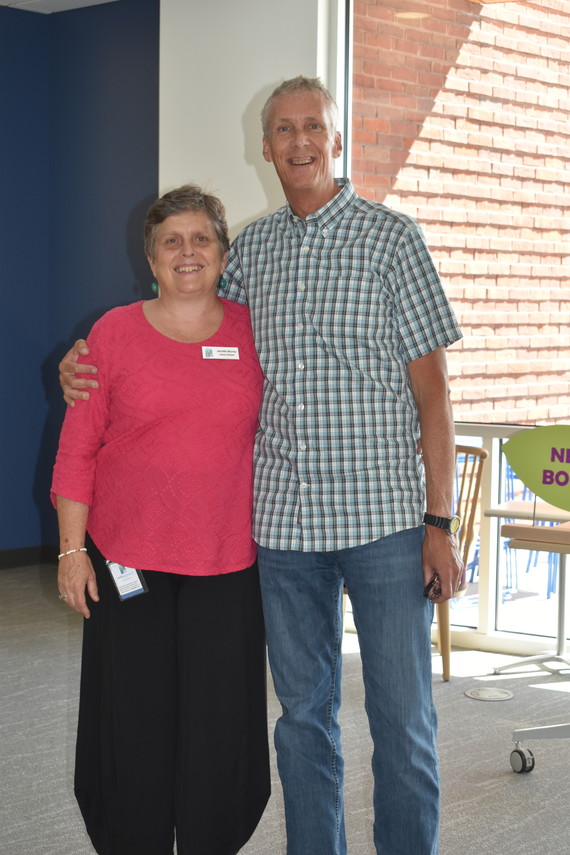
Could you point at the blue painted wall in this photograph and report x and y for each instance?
(79, 165)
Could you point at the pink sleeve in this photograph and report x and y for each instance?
(84, 428)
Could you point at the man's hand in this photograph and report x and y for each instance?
(441, 557)
(69, 367)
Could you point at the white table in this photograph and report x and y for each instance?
(537, 511)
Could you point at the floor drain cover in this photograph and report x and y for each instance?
(488, 694)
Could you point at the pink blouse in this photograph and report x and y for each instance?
(162, 451)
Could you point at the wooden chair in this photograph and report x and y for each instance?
(469, 466)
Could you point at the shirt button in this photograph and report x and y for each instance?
(303, 447)
(301, 407)
(304, 249)
(301, 287)
(300, 326)
(303, 485)
(301, 366)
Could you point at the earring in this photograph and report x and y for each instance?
(154, 288)
(222, 283)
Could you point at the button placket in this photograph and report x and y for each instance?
(303, 294)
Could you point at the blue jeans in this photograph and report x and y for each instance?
(302, 604)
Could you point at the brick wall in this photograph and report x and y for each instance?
(461, 118)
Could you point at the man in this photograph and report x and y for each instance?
(351, 326)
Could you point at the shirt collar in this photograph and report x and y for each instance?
(326, 215)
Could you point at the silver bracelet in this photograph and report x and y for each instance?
(80, 549)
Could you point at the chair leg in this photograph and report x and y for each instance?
(444, 633)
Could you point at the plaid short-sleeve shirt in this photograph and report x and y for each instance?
(340, 303)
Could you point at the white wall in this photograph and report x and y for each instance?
(219, 61)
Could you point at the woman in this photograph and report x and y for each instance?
(157, 468)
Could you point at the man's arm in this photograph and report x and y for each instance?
(68, 368)
(430, 387)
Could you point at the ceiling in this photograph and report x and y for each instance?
(46, 7)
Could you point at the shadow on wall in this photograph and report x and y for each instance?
(252, 154)
(142, 274)
(401, 62)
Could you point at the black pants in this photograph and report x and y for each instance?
(172, 730)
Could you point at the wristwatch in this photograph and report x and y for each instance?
(451, 525)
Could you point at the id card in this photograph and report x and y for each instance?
(128, 581)
(220, 352)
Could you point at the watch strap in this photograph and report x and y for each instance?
(445, 523)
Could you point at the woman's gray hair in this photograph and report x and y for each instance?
(301, 84)
(190, 197)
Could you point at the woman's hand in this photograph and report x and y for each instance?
(75, 575)
(69, 367)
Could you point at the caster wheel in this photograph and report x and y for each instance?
(522, 760)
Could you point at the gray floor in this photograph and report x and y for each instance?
(487, 809)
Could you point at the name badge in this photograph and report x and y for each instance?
(128, 581)
(220, 353)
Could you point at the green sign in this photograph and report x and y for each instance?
(540, 457)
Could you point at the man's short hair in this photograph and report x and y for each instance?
(300, 84)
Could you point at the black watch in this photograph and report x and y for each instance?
(446, 523)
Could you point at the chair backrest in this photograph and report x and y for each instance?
(469, 466)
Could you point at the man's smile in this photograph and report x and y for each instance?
(300, 161)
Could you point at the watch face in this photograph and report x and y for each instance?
(454, 524)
